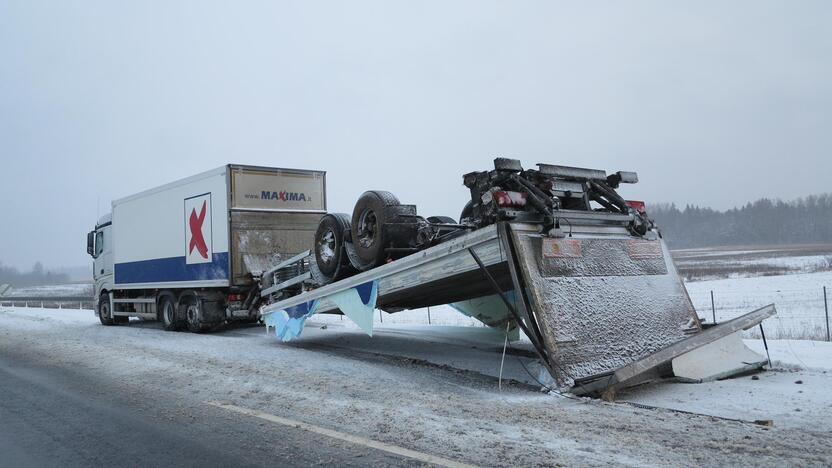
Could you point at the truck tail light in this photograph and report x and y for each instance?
(235, 297)
(639, 206)
(511, 199)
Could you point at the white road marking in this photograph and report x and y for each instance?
(394, 449)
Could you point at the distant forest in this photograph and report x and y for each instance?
(36, 277)
(802, 221)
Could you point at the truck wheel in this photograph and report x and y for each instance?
(441, 220)
(104, 310)
(467, 212)
(193, 315)
(368, 219)
(330, 254)
(167, 314)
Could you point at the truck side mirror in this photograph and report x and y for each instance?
(91, 243)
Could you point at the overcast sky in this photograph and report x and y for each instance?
(712, 103)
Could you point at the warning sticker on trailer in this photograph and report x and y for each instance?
(561, 248)
(642, 250)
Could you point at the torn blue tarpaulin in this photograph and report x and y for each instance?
(357, 303)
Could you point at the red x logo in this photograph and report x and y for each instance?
(197, 241)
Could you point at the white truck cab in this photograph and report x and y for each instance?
(100, 247)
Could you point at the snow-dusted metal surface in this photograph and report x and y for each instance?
(723, 357)
(489, 310)
(605, 303)
(434, 264)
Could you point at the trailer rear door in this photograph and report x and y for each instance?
(274, 215)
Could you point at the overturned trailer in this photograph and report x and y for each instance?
(553, 252)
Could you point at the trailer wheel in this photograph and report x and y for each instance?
(193, 314)
(167, 314)
(467, 211)
(104, 310)
(441, 220)
(330, 253)
(368, 219)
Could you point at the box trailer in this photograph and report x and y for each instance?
(188, 253)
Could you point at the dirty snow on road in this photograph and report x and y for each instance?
(323, 380)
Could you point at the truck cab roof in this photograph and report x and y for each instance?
(104, 220)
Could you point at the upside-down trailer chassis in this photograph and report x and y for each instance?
(602, 309)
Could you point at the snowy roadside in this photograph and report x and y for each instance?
(794, 394)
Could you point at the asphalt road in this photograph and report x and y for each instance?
(53, 416)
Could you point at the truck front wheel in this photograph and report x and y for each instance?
(104, 310)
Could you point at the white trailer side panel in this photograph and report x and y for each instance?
(175, 235)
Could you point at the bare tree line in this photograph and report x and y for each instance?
(763, 222)
(36, 277)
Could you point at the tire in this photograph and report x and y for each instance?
(192, 307)
(104, 310)
(368, 220)
(467, 212)
(330, 253)
(441, 220)
(168, 315)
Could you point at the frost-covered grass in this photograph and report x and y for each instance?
(743, 279)
(797, 297)
(718, 263)
(70, 289)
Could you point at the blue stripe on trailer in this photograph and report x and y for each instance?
(171, 269)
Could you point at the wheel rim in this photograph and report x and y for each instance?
(193, 313)
(168, 312)
(367, 228)
(104, 310)
(326, 247)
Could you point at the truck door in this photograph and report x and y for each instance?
(103, 256)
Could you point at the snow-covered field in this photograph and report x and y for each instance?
(71, 289)
(798, 298)
(790, 277)
(726, 262)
